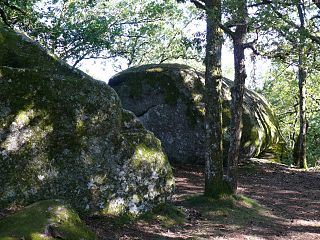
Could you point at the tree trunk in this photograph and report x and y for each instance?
(214, 184)
(302, 78)
(295, 152)
(302, 155)
(237, 92)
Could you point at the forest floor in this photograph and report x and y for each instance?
(275, 202)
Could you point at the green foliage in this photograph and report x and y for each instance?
(150, 31)
(281, 90)
(279, 30)
(17, 12)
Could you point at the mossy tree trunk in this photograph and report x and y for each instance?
(238, 37)
(237, 92)
(301, 158)
(214, 185)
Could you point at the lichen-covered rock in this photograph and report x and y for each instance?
(64, 135)
(47, 220)
(168, 99)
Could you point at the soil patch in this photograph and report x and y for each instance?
(275, 202)
(290, 201)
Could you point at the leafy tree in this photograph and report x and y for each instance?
(14, 11)
(300, 158)
(289, 30)
(280, 88)
(139, 32)
(214, 173)
(237, 17)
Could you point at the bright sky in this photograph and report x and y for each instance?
(103, 70)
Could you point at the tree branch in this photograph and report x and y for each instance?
(315, 39)
(199, 4)
(317, 3)
(266, 2)
(250, 45)
(3, 14)
(13, 7)
(4, 17)
(227, 30)
(314, 17)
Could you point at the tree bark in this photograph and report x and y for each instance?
(214, 184)
(302, 79)
(302, 153)
(237, 92)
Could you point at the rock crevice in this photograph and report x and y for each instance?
(140, 115)
(177, 117)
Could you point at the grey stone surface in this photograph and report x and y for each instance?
(65, 135)
(168, 99)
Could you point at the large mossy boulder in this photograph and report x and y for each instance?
(47, 220)
(168, 99)
(65, 135)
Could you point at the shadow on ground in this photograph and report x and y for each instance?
(280, 203)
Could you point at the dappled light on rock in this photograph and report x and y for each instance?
(65, 135)
(170, 103)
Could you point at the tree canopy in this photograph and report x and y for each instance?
(136, 31)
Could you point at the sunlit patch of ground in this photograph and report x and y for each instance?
(275, 202)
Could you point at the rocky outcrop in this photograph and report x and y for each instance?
(65, 135)
(50, 219)
(168, 99)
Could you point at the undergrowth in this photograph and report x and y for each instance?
(167, 215)
(236, 210)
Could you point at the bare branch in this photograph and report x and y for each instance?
(314, 17)
(250, 45)
(199, 4)
(79, 60)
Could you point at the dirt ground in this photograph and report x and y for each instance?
(290, 201)
(286, 206)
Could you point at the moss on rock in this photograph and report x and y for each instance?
(45, 220)
(179, 122)
(65, 135)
